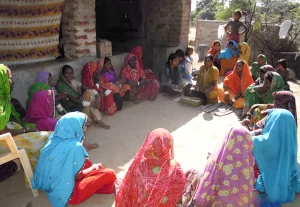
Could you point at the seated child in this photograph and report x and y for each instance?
(284, 72)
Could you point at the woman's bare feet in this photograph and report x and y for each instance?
(89, 146)
(102, 125)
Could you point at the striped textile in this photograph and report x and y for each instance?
(29, 30)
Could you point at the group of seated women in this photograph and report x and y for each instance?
(101, 90)
(247, 169)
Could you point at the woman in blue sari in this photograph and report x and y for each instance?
(228, 57)
(63, 169)
(275, 152)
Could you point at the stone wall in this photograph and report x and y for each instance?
(167, 28)
(79, 28)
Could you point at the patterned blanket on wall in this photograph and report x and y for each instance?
(29, 30)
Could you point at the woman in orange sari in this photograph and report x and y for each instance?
(235, 85)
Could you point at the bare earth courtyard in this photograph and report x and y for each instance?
(195, 134)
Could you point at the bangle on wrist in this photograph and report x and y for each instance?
(233, 100)
(226, 92)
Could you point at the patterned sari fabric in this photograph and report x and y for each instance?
(108, 104)
(39, 39)
(138, 52)
(228, 179)
(64, 87)
(154, 178)
(41, 110)
(147, 91)
(282, 99)
(255, 96)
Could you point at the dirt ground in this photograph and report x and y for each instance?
(195, 134)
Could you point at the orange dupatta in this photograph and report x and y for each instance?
(235, 83)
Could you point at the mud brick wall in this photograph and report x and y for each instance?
(79, 28)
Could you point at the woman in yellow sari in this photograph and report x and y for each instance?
(207, 84)
(245, 50)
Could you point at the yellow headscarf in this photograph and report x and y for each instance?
(245, 51)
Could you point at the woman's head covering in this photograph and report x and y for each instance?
(154, 177)
(228, 177)
(41, 110)
(42, 77)
(131, 74)
(267, 68)
(236, 83)
(227, 53)
(63, 86)
(255, 67)
(286, 100)
(138, 52)
(6, 108)
(61, 159)
(275, 152)
(277, 83)
(38, 86)
(212, 50)
(245, 54)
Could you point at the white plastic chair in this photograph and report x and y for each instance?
(16, 153)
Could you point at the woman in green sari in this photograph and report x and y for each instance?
(25, 136)
(255, 67)
(263, 93)
(72, 88)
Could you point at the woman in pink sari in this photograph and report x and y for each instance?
(138, 52)
(228, 179)
(41, 111)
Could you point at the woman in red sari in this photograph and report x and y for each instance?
(107, 104)
(154, 178)
(138, 52)
(142, 88)
(110, 81)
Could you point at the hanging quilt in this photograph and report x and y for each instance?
(29, 30)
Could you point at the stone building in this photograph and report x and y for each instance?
(160, 26)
